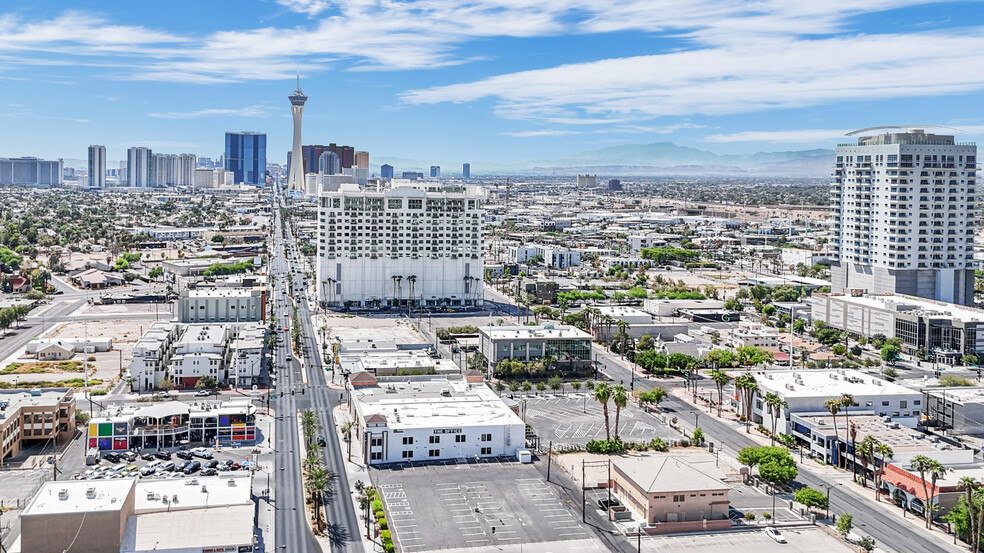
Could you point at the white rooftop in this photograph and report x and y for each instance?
(436, 402)
(900, 302)
(545, 331)
(192, 493)
(184, 531)
(71, 496)
(827, 383)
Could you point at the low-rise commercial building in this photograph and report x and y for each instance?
(948, 330)
(806, 391)
(753, 334)
(169, 423)
(670, 491)
(413, 419)
(222, 304)
(27, 416)
(568, 345)
(136, 516)
(954, 410)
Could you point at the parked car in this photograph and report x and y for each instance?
(112, 457)
(182, 465)
(168, 466)
(202, 452)
(211, 464)
(150, 468)
(775, 535)
(186, 455)
(129, 455)
(163, 454)
(208, 472)
(147, 456)
(193, 466)
(203, 393)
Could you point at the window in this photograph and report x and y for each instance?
(408, 440)
(679, 498)
(904, 404)
(408, 454)
(376, 442)
(434, 453)
(460, 438)
(917, 402)
(486, 437)
(435, 439)
(884, 404)
(376, 456)
(486, 451)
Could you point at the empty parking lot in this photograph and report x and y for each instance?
(483, 504)
(801, 540)
(577, 418)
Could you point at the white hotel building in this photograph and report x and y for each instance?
(410, 242)
(903, 210)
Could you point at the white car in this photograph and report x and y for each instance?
(775, 535)
(202, 452)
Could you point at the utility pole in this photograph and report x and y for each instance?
(549, 452)
(584, 494)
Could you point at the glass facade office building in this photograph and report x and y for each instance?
(245, 156)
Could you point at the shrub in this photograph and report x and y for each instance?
(608, 447)
(385, 534)
(377, 505)
(388, 546)
(749, 516)
(379, 514)
(658, 444)
(98, 393)
(382, 523)
(91, 358)
(766, 516)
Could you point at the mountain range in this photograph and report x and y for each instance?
(659, 158)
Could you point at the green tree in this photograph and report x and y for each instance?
(867, 544)
(309, 425)
(652, 396)
(775, 404)
(924, 465)
(720, 379)
(751, 355)
(777, 466)
(814, 499)
(845, 523)
(698, 436)
(890, 353)
(218, 239)
(620, 398)
(747, 387)
(603, 393)
(156, 272)
(555, 383)
(799, 326)
(968, 360)
(207, 382)
(167, 385)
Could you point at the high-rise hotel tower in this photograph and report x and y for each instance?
(903, 212)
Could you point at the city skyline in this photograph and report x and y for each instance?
(484, 82)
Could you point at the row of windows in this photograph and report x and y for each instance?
(408, 454)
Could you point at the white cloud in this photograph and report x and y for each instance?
(310, 7)
(643, 129)
(525, 134)
(251, 111)
(757, 75)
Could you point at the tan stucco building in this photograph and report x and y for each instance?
(671, 488)
(34, 415)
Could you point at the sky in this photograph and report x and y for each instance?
(483, 80)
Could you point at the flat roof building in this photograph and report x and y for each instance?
(34, 415)
(409, 419)
(568, 345)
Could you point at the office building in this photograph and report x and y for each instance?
(139, 167)
(33, 417)
(466, 170)
(362, 160)
(412, 175)
(130, 515)
(97, 166)
(903, 210)
(614, 185)
(385, 171)
(585, 181)
(245, 156)
(329, 163)
(569, 345)
(121, 174)
(403, 419)
(30, 171)
(948, 331)
(417, 243)
(311, 154)
(806, 391)
(211, 305)
(435, 171)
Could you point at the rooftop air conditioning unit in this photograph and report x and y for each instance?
(90, 493)
(63, 493)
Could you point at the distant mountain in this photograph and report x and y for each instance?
(659, 158)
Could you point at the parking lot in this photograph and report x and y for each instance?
(749, 499)
(460, 505)
(800, 540)
(576, 418)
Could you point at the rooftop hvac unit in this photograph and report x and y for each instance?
(90, 493)
(63, 493)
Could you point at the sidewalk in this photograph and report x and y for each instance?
(355, 470)
(263, 486)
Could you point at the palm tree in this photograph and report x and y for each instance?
(833, 406)
(412, 279)
(318, 483)
(721, 379)
(346, 429)
(309, 425)
(969, 485)
(602, 393)
(748, 387)
(847, 401)
(619, 398)
(936, 471)
(775, 404)
(885, 452)
(623, 331)
(923, 465)
(868, 445)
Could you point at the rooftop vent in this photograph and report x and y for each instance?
(63, 493)
(90, 493)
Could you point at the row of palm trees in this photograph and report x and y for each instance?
(603, 393)
(317, 478)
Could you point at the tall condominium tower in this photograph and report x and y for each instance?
(362, 159)
(245, 156)
(329, 163)
(295, 180)
(435, 171)
(903, 211)
(386, 171)
(416, 243)
(97, 166)
(466, 170)
(139, 165)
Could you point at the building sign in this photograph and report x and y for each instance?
(229, 549)
(447, 431)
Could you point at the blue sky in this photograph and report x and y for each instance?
(486, 80)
